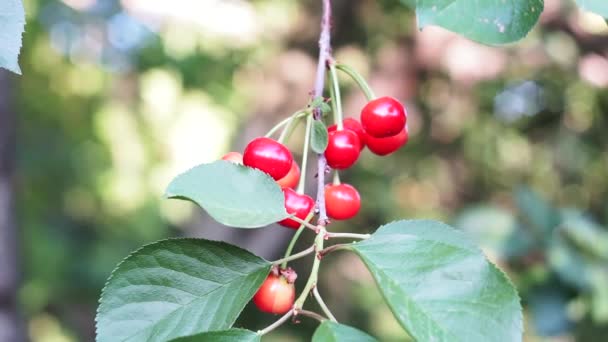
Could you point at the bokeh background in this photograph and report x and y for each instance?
(117, 97)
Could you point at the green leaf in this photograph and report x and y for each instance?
(495, 229)
(439, 285)
(177, 287)
(585, 234)
(234, 195)
(536, 211)
(319, 138)
(12, 24)
(232, 335)
(596, 6)
(487, 21)
(330, 331)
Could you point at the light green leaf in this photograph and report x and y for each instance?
(596, 6)
(234, 195)
(319, 138)
(485, 21)
(232, 335)
(330, 331)
(439, 285)
(177, 287)
(12, 24)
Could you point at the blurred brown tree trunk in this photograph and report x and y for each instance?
(11, 327)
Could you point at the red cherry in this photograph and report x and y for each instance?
(292, 178)
(276, 295)
(384, 146)
(353, 125)
(269, 156)
(343, 149)
(234, 157)
(342, 201)
(383, 117)
(295, 203)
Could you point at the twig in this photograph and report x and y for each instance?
(322, 304)
(312, 314)
(303, 253)
(324, 57)
(349, 235)
(276, 324)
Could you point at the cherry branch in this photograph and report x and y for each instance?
(324, 58)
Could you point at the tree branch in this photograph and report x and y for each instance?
(324, 57)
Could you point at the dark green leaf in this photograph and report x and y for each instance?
(330, 331)
(495, 229)
(439, 285)
(319, 139)
(232, 335)
(234, 195)
(596, 6)
(487, 21)
(12, 23)
(536, 212)
(177, 287)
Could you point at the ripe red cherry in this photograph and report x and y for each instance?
(292, 178)
(295, 203)
(342, 201)
(269, 156)
(343, 149)
(354, 126)
(383, 117)
(384, 146)
(276, 296)
(234, 157)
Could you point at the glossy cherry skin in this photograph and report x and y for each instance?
(342, 201)
(383, 117)
(292, 178)
(234, 157)
(354, 126)
(276, 295)
(300, 205)
(269, 156)
(343, 149)
(384, 146)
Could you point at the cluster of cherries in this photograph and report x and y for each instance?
(382, 129)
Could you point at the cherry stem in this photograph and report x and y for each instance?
(332, 248)
(295, 238)
(312, 314)
(293, 122)
(336, 99)
(314, 273)
(276, 324)
(324, 58)
(349, 235)
(304, 223)
(286, 121)
(360, 80)
(304, 167)
(336, 178)
(299, 255)
(315, 292)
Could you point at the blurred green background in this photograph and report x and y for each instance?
(119, 96)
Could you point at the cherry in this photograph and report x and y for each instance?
(342, 201)
(343, 149)
(276, 295)
(234, 157)
(299, 204)
(353, 125)
(292, 178)
(383, 117)
(384, 146)
(269, 156)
